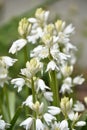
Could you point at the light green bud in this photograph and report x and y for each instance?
(39, 13)
(47, 39)
(24, 27)
(59, 24)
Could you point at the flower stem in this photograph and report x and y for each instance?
(7, 102)
(54, 87)
(13, 121)
(33, 90)
(33, 94)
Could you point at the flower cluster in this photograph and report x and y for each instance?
(53, 55)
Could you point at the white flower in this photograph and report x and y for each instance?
(39, 125)
(5, 63)
(29, 101)
(78, 80)
(27, 123)
(54, 110)
(66, 70)
(63, 125)
(41, 85)
(75, 117)
(35, 35)
(52, 66)
(69, 29)
(8, 60)
(80, 123)
(40, 51)
(18, 82)
(48, 95)
(17, 45)
(79, 107)
(3, 124)
(66, 86)
(48, 118)
(3, 74)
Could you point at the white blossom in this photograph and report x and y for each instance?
(48, 118)
(78, 80)
(39, 125)
(17, 45)
(52, 66)
(8, 61)
(79, 107)
(35, 35)
(63, 125)
(48, 95)
(5, 63)
(80, 123)
(66, 86)
(3, 124)
(54, 110)
(41, 85)
(18, 82)
(27, 123)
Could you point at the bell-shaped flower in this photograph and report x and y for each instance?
(35, 35)
(78, 80)
(79, 106)
(66, 86)
(48, 95)
(54, 110)
(17, 45)
(52, 66)
(74, 117)
(8, 61)
(18, 83)
(5, 63)
(27, 123)
(66, 70)
(49, 118)
(3, 124)
(80, 123)
(40, 51)
(40, 85)
(39, 124)
(63, 125)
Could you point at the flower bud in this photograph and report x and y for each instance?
(47, 39)
(66, 105)
(59, 25)
(24, 27)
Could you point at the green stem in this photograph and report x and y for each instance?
(33, 94)
(54, 87)
(7, 101)
(13, 121)
(33, 90)
(25, 54)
